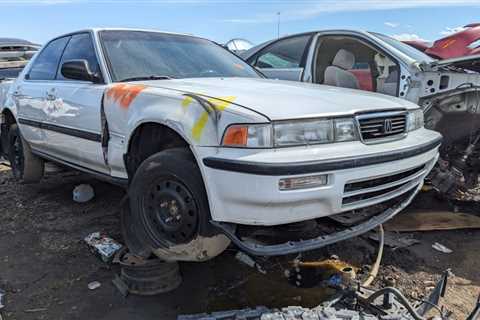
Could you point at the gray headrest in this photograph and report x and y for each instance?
(344, 59)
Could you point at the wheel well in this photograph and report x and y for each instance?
(8, 120)
(148, 139)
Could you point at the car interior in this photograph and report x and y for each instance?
(350, 63)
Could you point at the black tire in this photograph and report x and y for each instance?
(26, 167)
(169, 207)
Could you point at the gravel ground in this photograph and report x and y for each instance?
(45, 266)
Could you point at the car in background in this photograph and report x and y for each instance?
(14, 55)
(238, 45)
(446, 90)
(210, 150)
(462, 43)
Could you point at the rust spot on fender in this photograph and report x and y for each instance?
(124, 94)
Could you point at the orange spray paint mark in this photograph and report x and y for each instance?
(124, 94)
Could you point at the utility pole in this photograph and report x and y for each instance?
(278, 25)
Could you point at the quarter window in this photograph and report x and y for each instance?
(283, 54)
(46, 64)
(80, 47)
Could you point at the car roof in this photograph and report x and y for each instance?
(16, 42)
(96, 30)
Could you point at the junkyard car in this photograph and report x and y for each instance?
(209, 149)
(14, 55)
(447, 90)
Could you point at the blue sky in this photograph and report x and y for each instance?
(221, 20)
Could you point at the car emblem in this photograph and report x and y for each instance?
(387, 126)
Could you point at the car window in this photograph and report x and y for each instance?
(286, 53)
(139, 54)
(46, 64)
(81, 47)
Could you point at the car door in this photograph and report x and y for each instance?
(283, 59)
(75, 135)
(31, 93)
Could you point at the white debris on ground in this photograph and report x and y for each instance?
(83, 193)
(440, 247)
(94, 285)
(103, 245)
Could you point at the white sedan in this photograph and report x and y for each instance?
(210, 151)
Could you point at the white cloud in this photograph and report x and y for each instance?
(408, 37)
(391, 24)
(313, 8)
(448, 31)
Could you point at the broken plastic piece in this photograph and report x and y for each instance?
(246, 259)
(83, 193)
(103, 246)
(2, 294)
(440, 247)
(94, 285)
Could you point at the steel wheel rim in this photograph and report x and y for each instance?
(170, 211)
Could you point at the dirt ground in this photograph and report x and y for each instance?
(45, 266)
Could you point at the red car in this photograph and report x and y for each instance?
(462, 43)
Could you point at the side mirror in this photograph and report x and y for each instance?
(78, 70)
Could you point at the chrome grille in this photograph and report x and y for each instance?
(382, 126)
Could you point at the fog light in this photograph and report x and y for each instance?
(303, 182)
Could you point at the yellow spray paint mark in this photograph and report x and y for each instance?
(186, 102)
(220, 104)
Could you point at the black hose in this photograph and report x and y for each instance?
(401, 298)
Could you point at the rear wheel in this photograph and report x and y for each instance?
(170, 209)
(26, 167)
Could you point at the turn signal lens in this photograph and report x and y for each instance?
(248, 136)
(236, 135)
(303, 182)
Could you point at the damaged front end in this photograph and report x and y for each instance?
(450, 98)
(314, 234)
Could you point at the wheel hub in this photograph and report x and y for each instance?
(170, 212)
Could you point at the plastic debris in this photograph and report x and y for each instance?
(83, 193)
(94, 285)
(440, 247)
(2, 294)
(103, 245)
(246, 259)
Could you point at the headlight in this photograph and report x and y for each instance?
(297, 133)
(415, 120)
(290, 133)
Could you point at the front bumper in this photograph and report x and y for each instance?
(244, 189)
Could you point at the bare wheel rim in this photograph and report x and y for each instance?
(170, 212)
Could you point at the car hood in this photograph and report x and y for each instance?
(471, 63)
(280, 100)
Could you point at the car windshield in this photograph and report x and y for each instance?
(410, 51)
(141, 55)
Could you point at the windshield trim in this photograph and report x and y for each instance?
(109, 66)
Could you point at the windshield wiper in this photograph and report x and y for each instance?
(152, 77)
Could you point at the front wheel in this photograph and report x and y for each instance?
(169, 207)
(26, 167)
